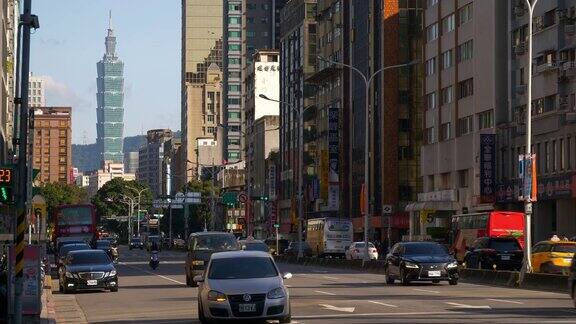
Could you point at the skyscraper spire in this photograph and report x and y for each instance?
(110, 19)
(110, 38)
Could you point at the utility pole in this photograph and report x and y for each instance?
(27, 21)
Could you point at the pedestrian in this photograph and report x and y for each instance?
(555, 238)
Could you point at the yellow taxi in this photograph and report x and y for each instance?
(553, 256)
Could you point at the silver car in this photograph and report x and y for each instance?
(243, 285)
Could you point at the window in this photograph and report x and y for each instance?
(233, 101)
(465, 51)
(446, 95)
(234, 20)
(250, 20)
(404, 153)
(446, 59)
(486, 119)
(233, 115)
(233, 141)
(233, 60)
(445, 181)
(430, 135)
(234, 75)
(432, 3)
(445, 132)
(465, 88)
(210, 118)
(404, 125)
(250, 34)
(465, 14)
(211, 130)
(233, 155)
(562, 157)
(463, 178)
(432, 32)
(448, 24)
(431, 100)
(465, 125)
(234, 7)
(544, 105)
(234, 33)
(234, 47)
(547, 150)
(431, 66)
(233, 87)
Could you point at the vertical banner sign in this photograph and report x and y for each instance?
(334, 158)
(272, 182)
(534, 195)
(324, 174)
(521, 172)
(487, 168)
(527, 180)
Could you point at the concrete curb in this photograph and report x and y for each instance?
(534, 281)
(48, 315)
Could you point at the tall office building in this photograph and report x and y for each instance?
(110, 98)
(36, 92)
(53, 144)
(201, 76)
(151, 159)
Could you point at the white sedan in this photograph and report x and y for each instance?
(356, 251)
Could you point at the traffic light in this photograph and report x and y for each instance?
(260, 198)
(6, 184)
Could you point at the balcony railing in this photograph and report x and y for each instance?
(569, 69)
(520, 49)
(546, 67)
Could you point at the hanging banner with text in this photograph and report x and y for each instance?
(487, 168)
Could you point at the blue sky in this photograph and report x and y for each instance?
(71, 40)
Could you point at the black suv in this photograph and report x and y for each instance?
(494, 253)
(420, 261)
(201, 246)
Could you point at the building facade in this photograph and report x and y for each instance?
(131, 162)
(151, 159)
(36, 94)
(52, 150)
(109, 170)
(465, 89)
(10, 18)
(110, 99)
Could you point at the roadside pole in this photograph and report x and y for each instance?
(277, 240)
(170, 220)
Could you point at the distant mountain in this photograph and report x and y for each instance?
(83, 156)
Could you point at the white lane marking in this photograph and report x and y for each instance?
(505, 301)
(324, 292)
(319, 271)
(382, 304)
(457, 305)
(375, 314)
(364, 282)
(155, 274)
(332, 278)
(426, 290)
(338, 309)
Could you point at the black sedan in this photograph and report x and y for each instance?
(293, 248)
(65, 249)
(420, 261)
(88, 270)
(494, 253)
(136, 243)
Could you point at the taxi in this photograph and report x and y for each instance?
(553, 256)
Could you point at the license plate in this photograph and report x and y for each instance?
(505, 257)
(247, 308)
(434, 273)
(92, 282)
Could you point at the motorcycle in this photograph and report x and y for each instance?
(154, 262)
(115, 254)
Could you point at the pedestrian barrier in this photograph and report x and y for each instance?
(536, 281)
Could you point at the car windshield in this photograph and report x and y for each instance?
(564, 248)
(242, 268)
(256, 246)
(136, 240)
(425, 249)
(103, 244)
(504, 245)
(89, 257)
(215, 242)
(73, 247)
(361, 245)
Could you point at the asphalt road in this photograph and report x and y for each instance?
(318, 295)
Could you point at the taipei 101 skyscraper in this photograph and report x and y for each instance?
(110, 99)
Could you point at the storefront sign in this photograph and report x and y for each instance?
(487, 168)
(334, 157)
(324, 174)
(548, 188)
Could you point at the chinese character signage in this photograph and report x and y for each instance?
(333, 157)
(487, 168)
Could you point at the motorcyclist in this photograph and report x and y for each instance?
(154, 248)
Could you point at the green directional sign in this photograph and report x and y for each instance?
(229, 198)
(276, 225)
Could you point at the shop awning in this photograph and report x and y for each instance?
(433, 205)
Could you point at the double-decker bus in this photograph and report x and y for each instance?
(75, 222)
(466, 228)
(329, 236)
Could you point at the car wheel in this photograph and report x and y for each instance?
(453, 282)
(201, 316)
(435, 281)
(404, 278)
(574, 295)
(60, 288)
(389, 280)
(286, 320)
(114, 289)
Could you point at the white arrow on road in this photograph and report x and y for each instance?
(339, 309)
(457, 305)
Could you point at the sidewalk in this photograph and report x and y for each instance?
(59, 308)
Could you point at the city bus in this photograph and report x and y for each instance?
(75, 222)
(329, 236)
(466, 228)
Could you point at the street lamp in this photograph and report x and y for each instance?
(212, 193)
(139, 192)
(130, 202)
(367, 82)
(528, 202)
(300, 166)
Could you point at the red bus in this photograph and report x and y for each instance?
(75, 222)
(466, 228)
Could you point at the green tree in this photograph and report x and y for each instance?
(109, 199)
(200, 214)
(62, 194)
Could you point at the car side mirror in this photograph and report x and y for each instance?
(287, 275)
(198, 278)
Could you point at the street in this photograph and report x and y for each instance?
(318, 295)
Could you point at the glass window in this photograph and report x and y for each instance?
(465, 14)
(233, 115)
(448, 23)
(486, 119)
(242, 268)
(466, 51)
(234, 7)
(234, 20)
(445, 131)
(234, 47)
(233, 60)
(564, 248)
(233, 88)
(74, 216)
(504, 245)
(432, 32)
(92, 257)
(234, 33)
(431, 66)
(465, 88)
(430, 135)
(465, 125)
(425, 249)
(432, 3)
(431, 100)
(447, 59)
(446, 95)
(250, 34)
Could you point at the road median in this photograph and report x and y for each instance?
(534, 281)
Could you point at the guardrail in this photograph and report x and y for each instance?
(535, 281)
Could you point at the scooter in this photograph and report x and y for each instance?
(154, 260)
(115, 254)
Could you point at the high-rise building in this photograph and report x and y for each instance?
(53, 144)
(297, 63)
(36, 94)
(131, 162)
(108, 171)
(110, 98)
(202, 26)
(10, 14)
(465, 91)
(151, 159)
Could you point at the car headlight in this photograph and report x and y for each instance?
(214, 295)
(276, 293)
(411, 265)
(452, 265)
(112, 273)
(69, 274)
(197, 262)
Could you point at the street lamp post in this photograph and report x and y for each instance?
(367, 82)
(212, 192)
(130, 202)
(139, 196)
(528, 202)
(300, 166)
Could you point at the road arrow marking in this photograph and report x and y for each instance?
(339, 309)
(324, 292)
(469, 306)
(505, 301)
(428, 291)
(381, 304)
